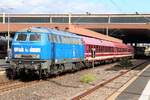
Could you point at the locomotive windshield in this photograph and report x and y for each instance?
(35, 37)
(21, 37)
(32, 37)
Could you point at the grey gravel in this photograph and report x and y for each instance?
(62, 87)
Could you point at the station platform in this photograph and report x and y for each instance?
(138, 88)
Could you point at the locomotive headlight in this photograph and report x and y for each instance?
(17, 55)
(35, 49)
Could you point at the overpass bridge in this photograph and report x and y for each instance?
(129, 27)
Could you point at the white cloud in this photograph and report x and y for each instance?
(52, 6)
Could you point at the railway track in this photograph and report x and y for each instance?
(94, 88)
(12, 85)
(6, 83)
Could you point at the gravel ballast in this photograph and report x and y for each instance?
(66, 86)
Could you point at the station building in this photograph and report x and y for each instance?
(130, 28)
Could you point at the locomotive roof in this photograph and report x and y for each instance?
(34, 29)
(53, 31)
(48, 30)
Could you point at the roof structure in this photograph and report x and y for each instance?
(89, 33)
(132, 28)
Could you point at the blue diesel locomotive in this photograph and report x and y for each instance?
(44, 51)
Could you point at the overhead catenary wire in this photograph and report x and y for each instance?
(137, 13)
(109, 17)
(117, 6)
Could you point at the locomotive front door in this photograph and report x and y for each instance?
(53, 48)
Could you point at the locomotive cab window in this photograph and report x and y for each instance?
(35, 37)
(21, 37)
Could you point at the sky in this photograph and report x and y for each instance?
(75, 6)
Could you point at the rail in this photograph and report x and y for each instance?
(90, 90)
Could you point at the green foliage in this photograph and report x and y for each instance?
(125, 62)
(87, 78)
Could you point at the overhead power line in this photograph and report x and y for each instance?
(137, 12)
(116, 5)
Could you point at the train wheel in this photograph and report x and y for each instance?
(74, 67)
(55, 69)
(11, 73)
(78, 66)
(61, 68)
(45, 74)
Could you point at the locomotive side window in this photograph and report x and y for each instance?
(74, 41)
(68, 40)
(35, 37)
(60, 38)
(21, 37)
(79, 41)
(54, 38)
(49, 37)
(65, 39)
